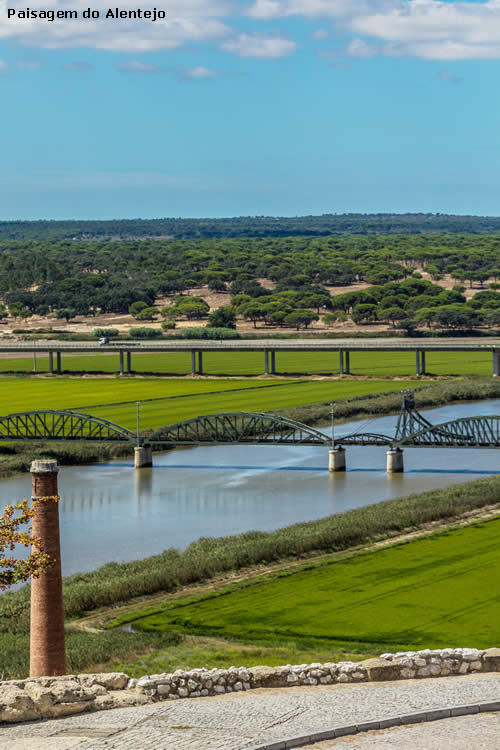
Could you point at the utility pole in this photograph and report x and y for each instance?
(332, 405)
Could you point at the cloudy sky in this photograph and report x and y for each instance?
(243, 107)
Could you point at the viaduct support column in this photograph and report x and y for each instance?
(121, 363)
(51, 363)
(129, 363)
(143, 456)
(58, 362)
(496, 363)
(47, 649)
(200, 363)
(417, 355)
(422, 363)
(395, 463)
(266, 361)
(193, 362)
(341, 362)
(336, 459)
(273, 363)
(347, 367)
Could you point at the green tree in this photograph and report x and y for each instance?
(223, 317)
(147, 313)
(136, 307)
(364, 314)
(299, 318)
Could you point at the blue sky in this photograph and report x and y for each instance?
(226, 108)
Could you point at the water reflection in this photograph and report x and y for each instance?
(112, 512)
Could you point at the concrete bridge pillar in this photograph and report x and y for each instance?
(47, 648)
(422, 363)
(129, 363)
(496, 363)
(58, 362)
(121, 363)
(417, 368)
(193, 362)
(336, 459)
(143, 456)
(395, 463)
(200, 363)
(51, 363)
(266, 361)
(273, 363)
(347, 367)
(341, 362)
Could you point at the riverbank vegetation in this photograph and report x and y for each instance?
(207, 558)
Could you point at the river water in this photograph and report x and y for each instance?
(110, 512)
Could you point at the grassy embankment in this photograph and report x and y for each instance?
(434, 592)
(368, 364)
(161, 403)
(209, 558)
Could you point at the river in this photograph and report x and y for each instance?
(110, 512)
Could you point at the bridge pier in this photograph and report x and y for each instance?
(129, 363)
(395, 462)
(58, 362)
(143, 456)
(273, 363)
(121, 363)
(336, 459)
(266, 361)
(347, 367)
(341, 362)
(193, 362)
(496, 364)
(51, 363)
(200, 363)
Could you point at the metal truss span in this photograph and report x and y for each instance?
(240, 427)
(52, 425)
(468, 432)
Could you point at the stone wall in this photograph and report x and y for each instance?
(50, 697)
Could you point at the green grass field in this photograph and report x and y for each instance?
(174, 400)
(376, 364)
(434, 592)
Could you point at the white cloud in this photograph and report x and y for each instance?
(430, 29)
(187, 21)
(319, 34)
(259, 45)
(200, 72)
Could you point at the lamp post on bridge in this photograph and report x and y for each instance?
(143, 454)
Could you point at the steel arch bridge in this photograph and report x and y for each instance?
(252, 428)
(240, 427)
(52, 425)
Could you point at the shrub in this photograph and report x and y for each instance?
(145, 333)
(168, 325)
(218, 334)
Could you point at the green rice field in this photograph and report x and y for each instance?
(375, 364)
(435, 592)
(165, 402)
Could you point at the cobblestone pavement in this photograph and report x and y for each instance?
(238, 720)
(480, 732)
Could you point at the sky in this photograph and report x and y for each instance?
(249, 107)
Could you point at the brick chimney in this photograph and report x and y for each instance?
(47, 649)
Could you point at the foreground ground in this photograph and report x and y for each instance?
(241, 720)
